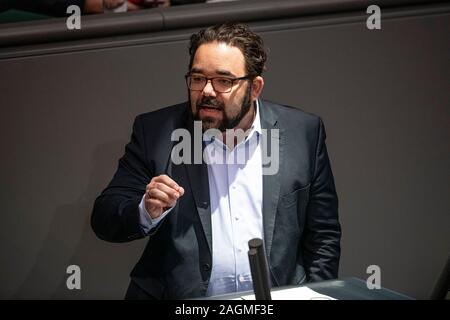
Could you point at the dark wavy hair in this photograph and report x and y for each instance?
(237, 35)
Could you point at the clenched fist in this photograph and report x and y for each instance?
(161, 194)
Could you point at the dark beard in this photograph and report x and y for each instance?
(226, 123)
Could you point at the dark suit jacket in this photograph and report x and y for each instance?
(300, 206)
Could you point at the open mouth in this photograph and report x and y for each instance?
(206, 110)
(206, 107)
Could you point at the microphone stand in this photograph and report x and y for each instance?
(259, 269)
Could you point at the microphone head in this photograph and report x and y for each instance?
(255, 243)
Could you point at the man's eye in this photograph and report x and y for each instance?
(197, 79)
(224, 81)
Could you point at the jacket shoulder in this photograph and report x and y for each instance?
(290, 116)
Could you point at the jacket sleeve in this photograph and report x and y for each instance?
(321, 237)
(115, 216)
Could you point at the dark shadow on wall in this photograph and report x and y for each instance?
(105, 267)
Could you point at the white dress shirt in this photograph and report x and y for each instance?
(236, 189)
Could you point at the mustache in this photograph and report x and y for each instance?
(210, 102)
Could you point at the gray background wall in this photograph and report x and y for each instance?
(67, 110)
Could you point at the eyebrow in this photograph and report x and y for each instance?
(219, 72)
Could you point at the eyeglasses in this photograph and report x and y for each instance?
(220, 84)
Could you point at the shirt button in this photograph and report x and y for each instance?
(206, 267)
(241, 278)
(237, 218)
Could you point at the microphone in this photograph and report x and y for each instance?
(259, 269)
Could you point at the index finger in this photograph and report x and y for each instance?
(167, 181)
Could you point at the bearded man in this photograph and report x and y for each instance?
(200, 213)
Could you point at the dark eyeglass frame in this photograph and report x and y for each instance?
(233, 80)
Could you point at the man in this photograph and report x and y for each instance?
(200, 213)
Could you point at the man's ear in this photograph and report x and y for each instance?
(258, 84)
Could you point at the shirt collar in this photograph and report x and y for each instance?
(256, 126)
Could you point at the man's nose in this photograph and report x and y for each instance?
(208, 90)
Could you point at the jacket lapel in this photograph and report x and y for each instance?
(198, 179)
(271, 182)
